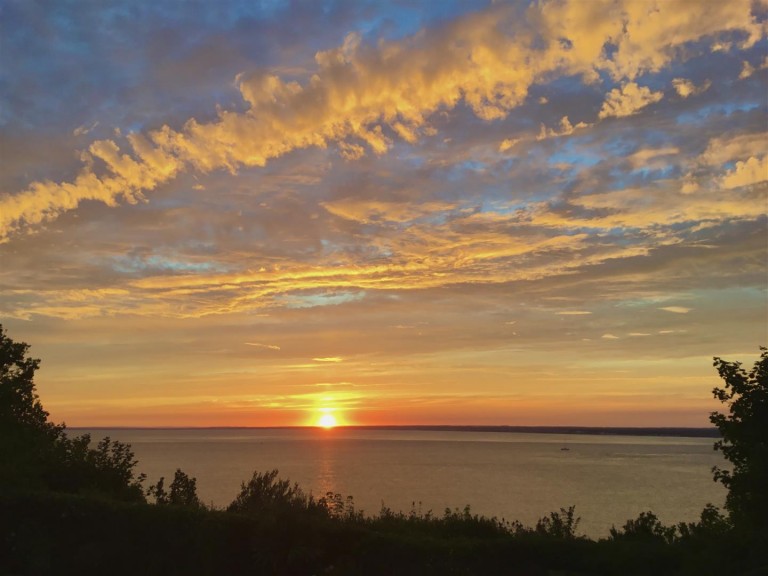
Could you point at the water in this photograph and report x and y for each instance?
(508, 475)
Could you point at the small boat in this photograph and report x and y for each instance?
(565, 449)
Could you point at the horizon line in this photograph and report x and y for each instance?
(544, 429)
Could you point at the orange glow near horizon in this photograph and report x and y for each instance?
(378, 406)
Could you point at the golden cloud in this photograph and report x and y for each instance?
(746, 173)
(628, 100)
(686, 88)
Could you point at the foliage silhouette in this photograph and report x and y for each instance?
(339, 507)
(266, 492)
(562, 524)
(26, 436)
(744, 441)
(183, 491)
(20, 406)
(106, 470)
(712, 524)
(646, 526)
(38, 454)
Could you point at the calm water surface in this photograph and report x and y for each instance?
(510, 475)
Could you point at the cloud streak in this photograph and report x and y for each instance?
(263, 346)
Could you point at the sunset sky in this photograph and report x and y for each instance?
(258, 213)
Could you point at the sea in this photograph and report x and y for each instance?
(514, 476)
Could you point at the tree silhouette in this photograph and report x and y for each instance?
(19, 404)
(266, 491)
(745, 441)
(26, 437)
(37, 454)
(183, 491)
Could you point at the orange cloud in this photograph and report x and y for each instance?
(566, 129)
(628, 100)
(375, 210)
(746, 173)
(686, 88)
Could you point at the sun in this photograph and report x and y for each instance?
(327, 421)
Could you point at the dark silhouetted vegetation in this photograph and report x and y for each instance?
(68, 507)
(183, 491)
(745, 441)
(40, 454)
(266, 492)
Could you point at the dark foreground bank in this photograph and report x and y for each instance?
(49, 533)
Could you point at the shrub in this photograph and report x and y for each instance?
(183, 491)
(264, 491)
(560, 524)
(646, 527)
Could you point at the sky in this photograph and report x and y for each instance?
(262, 213)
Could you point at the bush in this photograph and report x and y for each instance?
(107, 470)
(561, 524)
(646, 527)
(183, 491)
(264, 491)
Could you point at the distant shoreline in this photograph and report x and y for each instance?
(587, 430)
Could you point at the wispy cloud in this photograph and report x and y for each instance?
(263, 346)
(676, 309)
